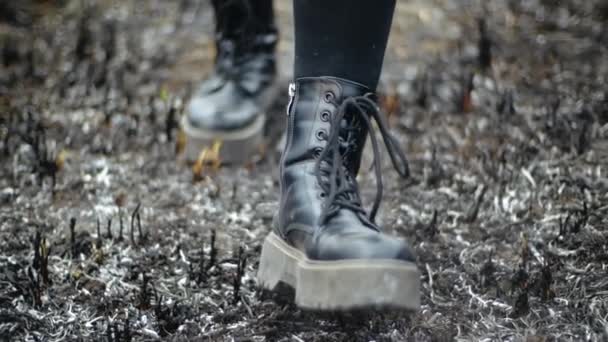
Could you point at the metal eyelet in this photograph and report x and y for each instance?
(322, 194)
(329, 96)
(325, 115)
(321, 135)
(317, 152)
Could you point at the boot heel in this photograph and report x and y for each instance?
(278, 263)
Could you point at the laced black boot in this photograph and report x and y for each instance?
(324, 243)
(229, 107)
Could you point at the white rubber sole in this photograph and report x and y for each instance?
(339, 285)
(235, 146)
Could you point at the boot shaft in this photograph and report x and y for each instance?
(244, 26)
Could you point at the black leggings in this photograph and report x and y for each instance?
(232, 17)
(341, 38)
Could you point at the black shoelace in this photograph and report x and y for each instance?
(333, 175)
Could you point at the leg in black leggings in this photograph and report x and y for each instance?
(342, 38)
(325, 243)
(238, 18)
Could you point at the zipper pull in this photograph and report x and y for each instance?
(292, 94)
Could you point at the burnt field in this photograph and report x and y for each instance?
(107, 235)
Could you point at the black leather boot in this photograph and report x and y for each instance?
(229, 107)
(323, 243)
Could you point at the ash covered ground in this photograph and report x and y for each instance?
(107, 235)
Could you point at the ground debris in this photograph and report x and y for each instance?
(506, 208)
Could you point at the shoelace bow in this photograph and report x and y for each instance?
(332, 174)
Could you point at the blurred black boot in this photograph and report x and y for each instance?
(228, 110)
(324, 244)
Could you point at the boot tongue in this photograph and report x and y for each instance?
(352, 138)
(343, 164)
(353, 133)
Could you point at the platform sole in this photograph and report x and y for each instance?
(339, 285)
(236, 146)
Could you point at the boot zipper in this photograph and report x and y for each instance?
(288, 138)
(292, 93)
(290, 122)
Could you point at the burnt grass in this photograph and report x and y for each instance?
(107, 235)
